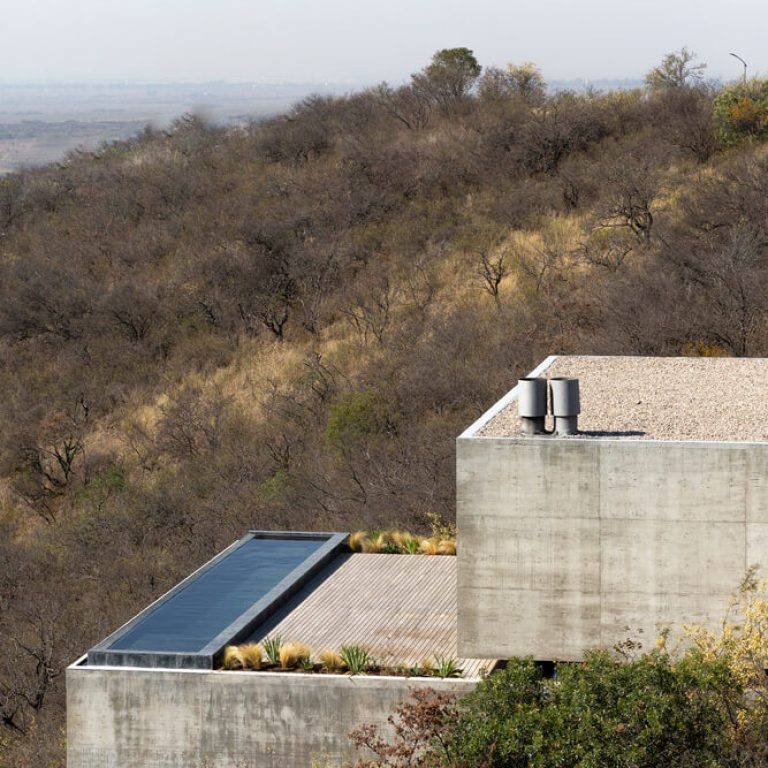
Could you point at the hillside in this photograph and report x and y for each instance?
(40, 123)
(285, 325)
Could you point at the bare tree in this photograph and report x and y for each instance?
(421, 283)
(606, 249)
(686, 117)
(678, 69)
(193, 422)
(524, 80)
(46, 454)
(492, 270)
(410, 104)
(371, 311)
(732, 287)
(632, 187)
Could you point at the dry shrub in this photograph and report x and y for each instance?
(372, 546)
(441, 529)
(252, 655)
(447, 547)
(428, 667)
(423, 722)
(331, 660)
(405, 543)
(233, 658)
(357, 541)
(429, 546)
(293, 653)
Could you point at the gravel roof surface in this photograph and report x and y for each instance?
(661, 398)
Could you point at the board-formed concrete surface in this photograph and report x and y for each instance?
(566, 544)
(134, 718)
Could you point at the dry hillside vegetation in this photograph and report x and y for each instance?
(286, 325)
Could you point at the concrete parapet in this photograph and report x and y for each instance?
(150, 718)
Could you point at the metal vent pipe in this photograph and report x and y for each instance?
(566, 406)
(532, 405)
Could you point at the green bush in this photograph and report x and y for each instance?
(649, 712)
(111, 480)
(358, 415)
(644, 713)
(274, 487)
(742, 112)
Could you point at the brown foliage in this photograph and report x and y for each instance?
(180, 314)
(419, 737)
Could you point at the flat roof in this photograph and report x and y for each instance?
(301, 586)
(656, 398)
(401, 608)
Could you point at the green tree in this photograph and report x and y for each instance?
(450, 75)
(678, 69)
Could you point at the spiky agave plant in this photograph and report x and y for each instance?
(356, 659)
(447, 667)
(272, 648)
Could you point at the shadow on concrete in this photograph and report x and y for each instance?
(596, 433)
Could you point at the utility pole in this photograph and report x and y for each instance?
(736, 56)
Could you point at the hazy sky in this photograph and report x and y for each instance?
(363, 41)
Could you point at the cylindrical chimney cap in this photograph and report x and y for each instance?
(532, 398)
(565, 396)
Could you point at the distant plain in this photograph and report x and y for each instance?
(40, 123)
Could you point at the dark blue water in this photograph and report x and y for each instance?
(195, 616)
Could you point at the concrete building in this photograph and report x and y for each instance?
(152, 694)
(643, 516)
(645, 520)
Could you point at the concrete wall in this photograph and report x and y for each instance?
(567, 544)
(134, 718)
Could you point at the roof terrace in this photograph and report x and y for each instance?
(654, 398)
(306, 587)
(401, 608)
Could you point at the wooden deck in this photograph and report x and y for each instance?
(401, 608)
